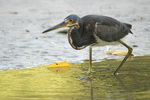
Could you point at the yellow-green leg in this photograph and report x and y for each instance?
(126, 57)
(90, 59)
(85, 76)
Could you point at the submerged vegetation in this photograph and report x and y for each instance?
(63, 31)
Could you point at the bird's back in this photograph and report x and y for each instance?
(106, 28)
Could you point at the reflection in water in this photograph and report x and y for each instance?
(124, 95)
(39, 83)
(110, 95)
(91, 88)
(120, 81)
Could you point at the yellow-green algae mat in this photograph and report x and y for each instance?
(39, 83)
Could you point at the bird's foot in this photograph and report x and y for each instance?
(85, 76)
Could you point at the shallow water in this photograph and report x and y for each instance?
(39, 83)
(22, 44)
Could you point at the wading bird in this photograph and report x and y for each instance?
(95, 30)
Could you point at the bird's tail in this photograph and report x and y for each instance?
(129, 26)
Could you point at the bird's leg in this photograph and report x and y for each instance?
(85, 76)
(126, 57)
(90, 59)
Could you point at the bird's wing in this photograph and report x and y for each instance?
(111, 31)
(106, 28)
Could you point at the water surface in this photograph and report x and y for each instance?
(22, 44)
(39, 83)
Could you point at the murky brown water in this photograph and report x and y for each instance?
(39, 83)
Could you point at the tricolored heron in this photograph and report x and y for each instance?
(95, 30)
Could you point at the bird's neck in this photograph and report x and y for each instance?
(75, 35)
(80, 26)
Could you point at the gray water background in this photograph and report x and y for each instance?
(22, 44)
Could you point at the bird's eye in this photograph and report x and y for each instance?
(71, 20)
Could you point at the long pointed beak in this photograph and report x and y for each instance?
(62, 24)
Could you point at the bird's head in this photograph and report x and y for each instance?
(68, 21)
